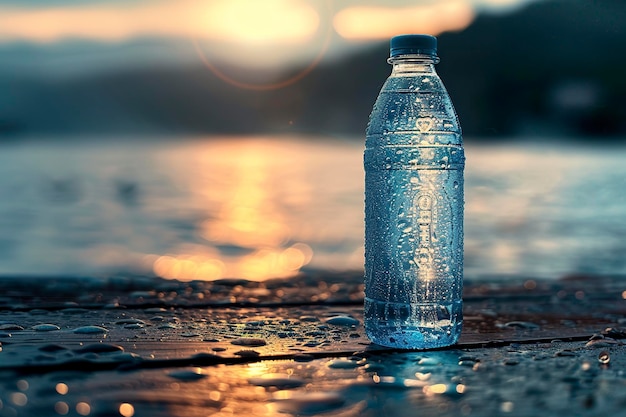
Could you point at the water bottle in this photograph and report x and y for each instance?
(414, 162)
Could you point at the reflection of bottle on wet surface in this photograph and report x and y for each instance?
(414, 162)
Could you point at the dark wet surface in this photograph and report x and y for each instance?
(137, 346)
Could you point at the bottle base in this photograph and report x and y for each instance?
(413, 326)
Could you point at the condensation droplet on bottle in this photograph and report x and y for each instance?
(414, 251)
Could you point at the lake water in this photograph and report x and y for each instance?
(263, 207)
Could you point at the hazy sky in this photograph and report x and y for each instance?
(260, 32)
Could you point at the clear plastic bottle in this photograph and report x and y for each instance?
(414, 163)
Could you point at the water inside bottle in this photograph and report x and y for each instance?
(414, 214)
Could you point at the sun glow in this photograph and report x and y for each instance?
(247, 21)
(257, 22)
(248, 235)
(368, 22)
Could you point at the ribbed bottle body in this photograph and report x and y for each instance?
(414, 163)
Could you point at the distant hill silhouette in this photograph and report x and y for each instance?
(552, 68)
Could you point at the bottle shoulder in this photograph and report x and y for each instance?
(416, 106)
(414, 82)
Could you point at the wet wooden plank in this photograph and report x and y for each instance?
(176, 348)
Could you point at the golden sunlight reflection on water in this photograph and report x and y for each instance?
(255, 193)
(263, 207)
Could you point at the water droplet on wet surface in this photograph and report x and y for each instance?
(309, 403)
(10, 326)
(507, 406)
(614, 333)
(309, 318)
(125, 357)
(187, 374)
(130, 321)
(343, 321)
(374, 367)
(604, 357)
(565, 352)
(280, 381)
(126, 410)
(52, 348)
(45, 327)
(343, 364)
(248, 341)
(428, 362)
(154, 310)
(597, 342)
(90, 330)
(74, 310)
(18, 398)
(451, 390)
(248, 353)
(522, 325)
(100, 348)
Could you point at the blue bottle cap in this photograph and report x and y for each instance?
(413, 44)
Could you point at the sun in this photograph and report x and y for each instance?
(261, 22)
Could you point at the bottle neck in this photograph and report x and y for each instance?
(404, 64)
